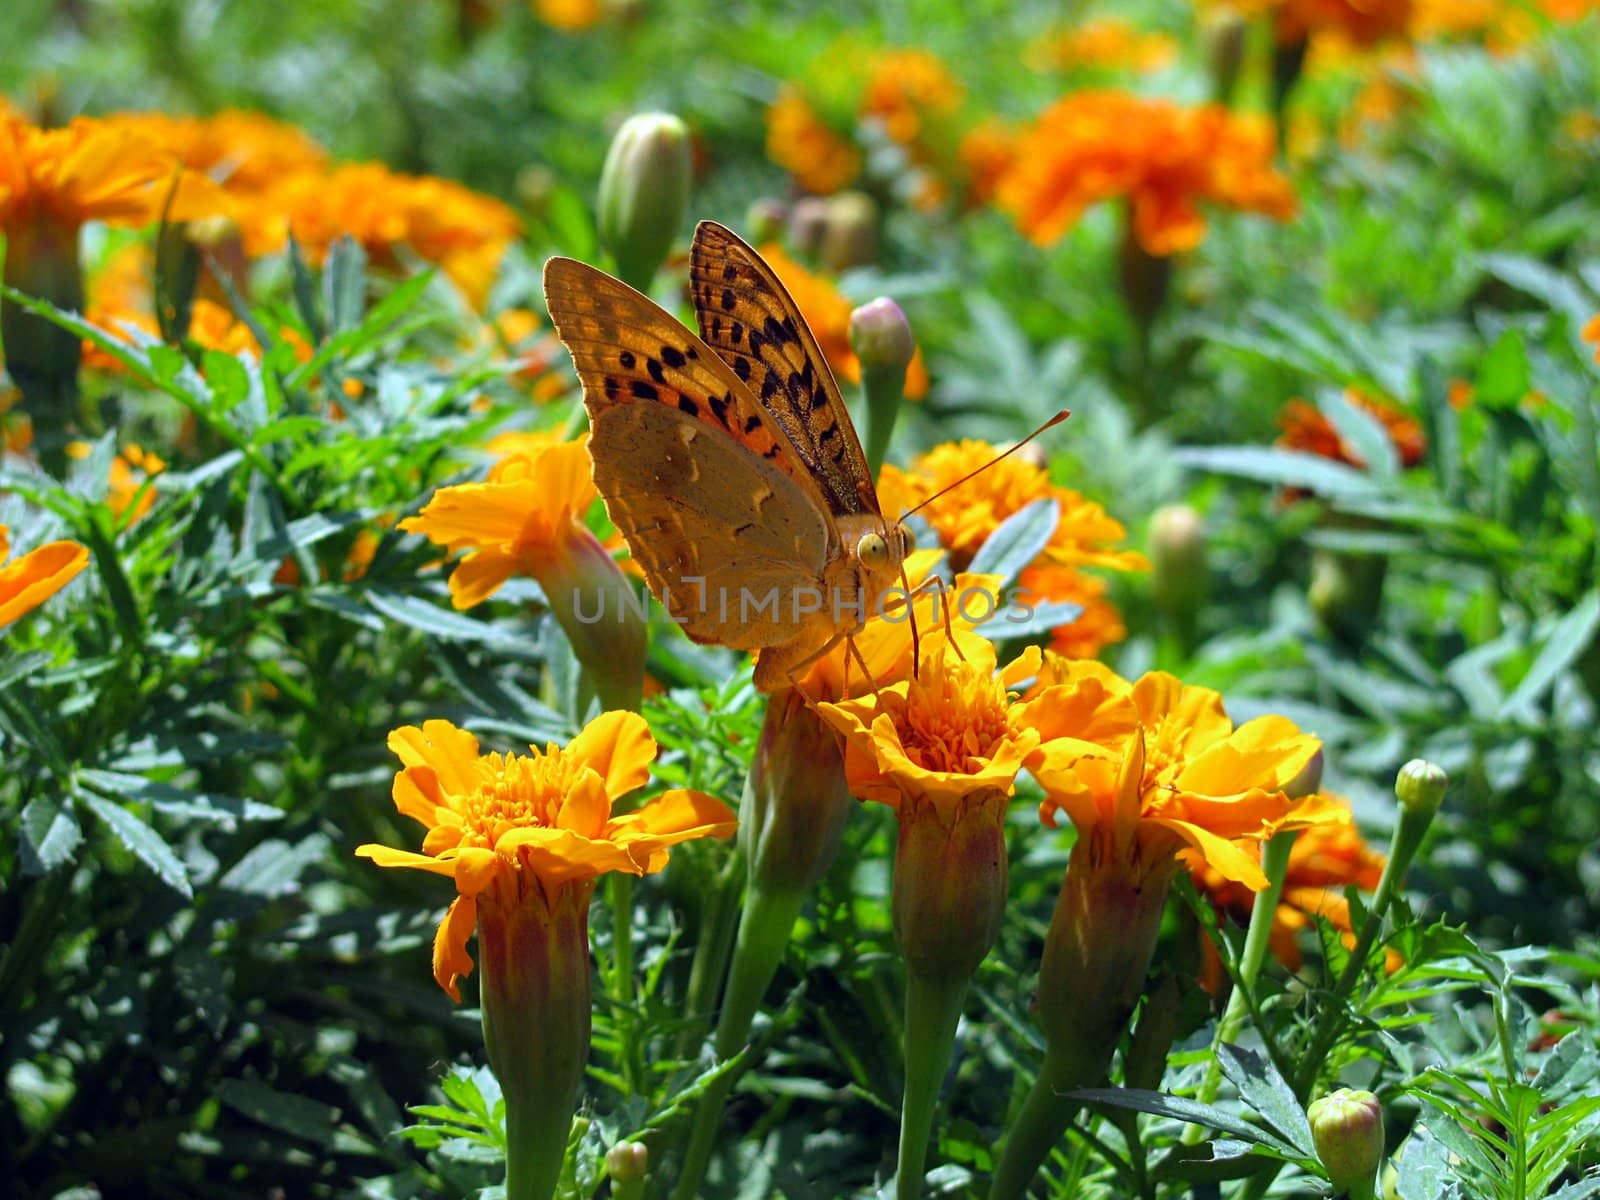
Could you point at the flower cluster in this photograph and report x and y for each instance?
(1306, 429)
(1164, 159)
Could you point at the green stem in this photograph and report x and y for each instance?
(1274, 865)
(764, 927)
(541, 1140)
(1045, 1113)
(711, 952)
(22, 959)
(933, 1010)
(621, 986)
(884, 388)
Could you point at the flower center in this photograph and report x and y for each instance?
(516, 792)
(953, 719)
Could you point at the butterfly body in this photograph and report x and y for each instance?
(728, 461)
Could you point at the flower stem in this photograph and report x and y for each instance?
(711, 951)
(538, 1137)
(1045, 1114)
(884, 388)
(933, 1010)
(1274, 865)
(764, 926)
(620, 886)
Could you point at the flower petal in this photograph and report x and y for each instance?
(480, 575)
(619, 747)
(1230, 861)
(450, 958)
(452, 753)
(386, 856)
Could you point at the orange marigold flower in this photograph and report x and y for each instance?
(966, 517)
(905, 88)
(1326, 858)
(987, 152)
(27, 582)
(1164, 159)
(1591, 334)
(570, 16)
(1105, 42)
(92, 170)
(1362, 22)
(244, 153)
(1307, 430)
(803, 144)
(505, 826)
(1099, 624)
(463, 231)
(827, 312)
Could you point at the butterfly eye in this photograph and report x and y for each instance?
(873, 551)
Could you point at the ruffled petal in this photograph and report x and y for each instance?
(476, 868)
(450, 958)
(1230, 861)
(480, 575)
(586, 807)
(676, 816)
(619, 747)
(386, 856)
(417, 794)
(452, 753)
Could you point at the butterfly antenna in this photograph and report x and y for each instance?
(1055, 420)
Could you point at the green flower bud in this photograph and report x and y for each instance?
(850, 232)
(1177, 560)
(765, 219)
(1347, 1127)
(807, 220)
(644, 193)
(881, 336)
(1420, 787)
(627, 1161)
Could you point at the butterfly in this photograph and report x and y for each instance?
(728, 461)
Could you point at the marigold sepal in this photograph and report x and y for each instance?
(42, 358)
(533, 942)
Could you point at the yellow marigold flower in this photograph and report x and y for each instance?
(906, 87)
(966, 517)
(1164, 159)
(827, 312)
(570, 16)
(1099, 624)
(1180, 774)
(1105, 42)
(1326, 858)
(130, 495)
(800, 142)
(528, 518)
(525, 838)
(27, 582)
(509, 827)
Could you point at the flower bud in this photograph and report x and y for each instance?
(881, 336)
(628, 1162)
(41, 260)
(1347, 1127)
(850, 231)
(535, 185)
(765, 219)
(1177, 560)
(1225, 45)
(807, 220)
(1346, 592)
(644, 193)
(1420, 787)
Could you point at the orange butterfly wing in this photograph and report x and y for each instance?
(748, 317)
(704, 485)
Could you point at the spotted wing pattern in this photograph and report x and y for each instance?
(748, 317)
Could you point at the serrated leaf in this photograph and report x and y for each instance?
(50, 833)
(344, 284)
(1017, 540)
(1192, 1111)
(147, 845)
(1263, 1089)
(418, 614)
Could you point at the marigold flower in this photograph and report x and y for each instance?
(506, 826)
(1326, 858)
(1163, 158)
(907, 87)
(1307, 430)
(803, 144)
(27, 582)
(827, 312)
(987, 152)
(1099, 624)
(1144, 771)
(1105, 42)
(966, 517)
(569, 16)
(243, 153)
(528, 518)
(525, 838)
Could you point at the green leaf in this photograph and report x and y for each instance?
(226, 811)
(1017, 540)
(1363, 433)
(1263, 1089)
(145, 843)
(1191, 1111)
(1571, 636)
(50, 833)
(1503, 373)
(344, 284)
(431, 619)
(294, 1115)
(1285, 468)
(373, 330)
